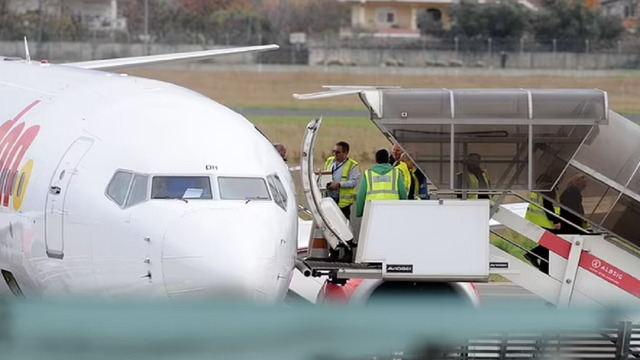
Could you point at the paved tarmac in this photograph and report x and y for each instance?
(506, 292)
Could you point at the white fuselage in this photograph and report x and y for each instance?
(65, 132)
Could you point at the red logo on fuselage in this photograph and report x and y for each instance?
(14, 143)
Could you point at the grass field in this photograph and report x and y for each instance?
(362, 136)
(274, 90)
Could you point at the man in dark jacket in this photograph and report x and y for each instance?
(571, 198)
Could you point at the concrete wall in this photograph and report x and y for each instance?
(64, 52)
(516, 60)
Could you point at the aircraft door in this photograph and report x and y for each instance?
(55, 211)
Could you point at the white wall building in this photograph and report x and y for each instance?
(101, 15)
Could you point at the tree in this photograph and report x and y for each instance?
(166, 22)
(4, 7)
(320, 16)
(499, 20)
(505, 20)
(610, 27)
(310, 16)
(575, 22)
(467, 19)
(429, 25)
(205, 7)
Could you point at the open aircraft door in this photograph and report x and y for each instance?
(325, 212)
(55, 210)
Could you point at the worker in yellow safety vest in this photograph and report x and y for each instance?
(345, 174)
(476, 179)
(415, 185)
(403, 167)
(544, 219)
(381, 182)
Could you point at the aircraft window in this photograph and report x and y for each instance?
(277, 189)
(237, 188)
(281, 189)
(9, 179)
(119, 186)
(181, 187)
(138, 191)
(21, 184)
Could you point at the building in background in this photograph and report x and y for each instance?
(98, 15)
(395, 18)
(626, 10)
(399, 18)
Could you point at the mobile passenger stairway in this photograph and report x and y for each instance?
(520, 134)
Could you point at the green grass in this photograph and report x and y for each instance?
(362, 135)
(242, 89)
(510, 248)
(343, 122)
(497, 278)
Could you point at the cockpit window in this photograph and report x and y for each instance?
(119, 186)
(181, 187)
(278, 191)
(243, 188)
(139, 190)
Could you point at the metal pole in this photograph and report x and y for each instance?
(40, 21)
(457, 43)
(619, 47)
(521, 45)
(146, 27)
(586, 43)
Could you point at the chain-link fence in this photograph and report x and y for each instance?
(319, 49)
(477, 52)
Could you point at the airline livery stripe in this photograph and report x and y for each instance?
(26, 110)
(593, 264)
(15, 141)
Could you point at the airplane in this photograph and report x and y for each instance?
(119, 186)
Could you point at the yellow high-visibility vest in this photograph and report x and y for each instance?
(415, 184)
(347, 196)
(402, 166)
(382, 186)
(536, 214)
(474, 183)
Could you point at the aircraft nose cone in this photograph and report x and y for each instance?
(221, 253)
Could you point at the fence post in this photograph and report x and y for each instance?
(521, 45)
(489, 41)
(623, 340)
(586, 46)
(325, 51)
(456, 40)
(619, 47)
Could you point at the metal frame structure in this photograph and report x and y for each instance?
(401, 110)
(618, 342)
(584, 269)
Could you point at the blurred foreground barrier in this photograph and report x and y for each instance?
(201, 330)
